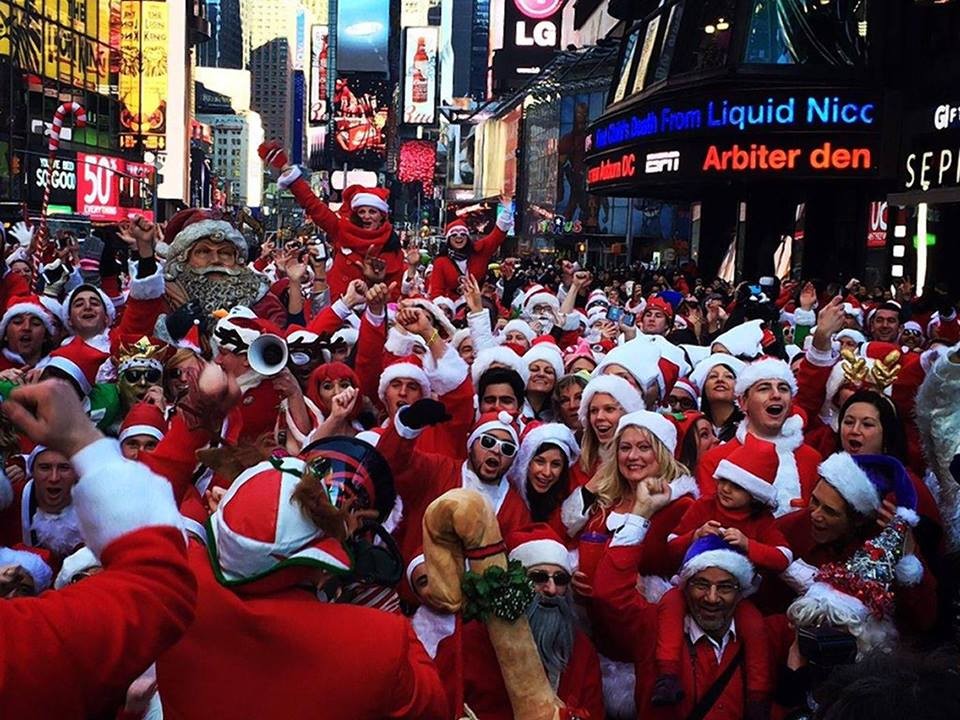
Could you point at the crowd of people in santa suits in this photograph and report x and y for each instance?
(694, 476)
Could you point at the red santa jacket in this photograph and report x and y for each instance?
(441, 635)
(288, 655)
(350, 242)
(615, 586)
(421, 477)
(91, 639)
(580, 684)
(445, 278)
(811, 395)
(797, 473)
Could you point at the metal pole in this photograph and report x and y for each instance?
(630, 231)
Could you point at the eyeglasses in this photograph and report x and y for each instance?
(505, 447)
(726, 589)
(135, 375)
(538, 577)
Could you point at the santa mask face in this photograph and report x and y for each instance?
(53, 478)
(216, 259)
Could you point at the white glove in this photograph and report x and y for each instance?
(23, 233)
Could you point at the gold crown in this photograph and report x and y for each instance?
(140, 352)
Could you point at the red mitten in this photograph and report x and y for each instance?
(273, 154)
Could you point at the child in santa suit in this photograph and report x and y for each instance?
(740, 513)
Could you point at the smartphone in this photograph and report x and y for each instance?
(614, 314)
(629, 319)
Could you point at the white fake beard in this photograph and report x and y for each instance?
(58, 532)
(543, 324)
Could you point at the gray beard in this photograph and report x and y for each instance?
(59, 532)
(552, 623)
(245, 288)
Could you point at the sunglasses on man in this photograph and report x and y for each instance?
(136, 375)
(539, 577)
(505, 447)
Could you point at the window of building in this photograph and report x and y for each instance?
(708, 35)
(788, 32)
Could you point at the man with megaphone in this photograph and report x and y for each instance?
(254, 352)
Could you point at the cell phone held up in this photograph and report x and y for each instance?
(614, 314)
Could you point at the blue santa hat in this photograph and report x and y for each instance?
(865, 480)
(713, 551)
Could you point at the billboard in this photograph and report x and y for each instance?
(62, 178)
(143, 73)
(319, 70)
(420, 76)
(362, 36)
(531, 35)
(111, 189)
(360, 113)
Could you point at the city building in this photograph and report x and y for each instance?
(225, 49)
(271, 33)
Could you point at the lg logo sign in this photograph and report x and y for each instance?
(542, 33)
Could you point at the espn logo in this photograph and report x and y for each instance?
(662, 162)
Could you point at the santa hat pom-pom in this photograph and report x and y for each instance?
(505, 417)
(909, 571)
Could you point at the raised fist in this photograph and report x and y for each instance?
(273, 154)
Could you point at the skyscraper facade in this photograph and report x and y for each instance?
(225, 49)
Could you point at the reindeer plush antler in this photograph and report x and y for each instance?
(459, 525)
(877, 374)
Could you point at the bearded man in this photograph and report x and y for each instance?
(568, 657)
(206, 262)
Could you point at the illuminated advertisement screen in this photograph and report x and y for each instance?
(111, 189)
(362, 32)
(319, 68)
(812, 134)
(143, 73)
(360, 113)
(420, 70)
(63, 40)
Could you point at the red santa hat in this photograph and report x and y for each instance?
(688, 387)
(143, 419)
(547, 352)
(357, 196)
(744, 341)
(500, 355)
(597, 297)
(658, 303)
(80, 360)
(858, 337)
(656, 424)
(501, 420)
(616, 387)
(766, 368)
(538, 544)
(191, 341)
(711, 551)
(409, 367)
(667, 376)
(188, 226)
(865, 480)
(685, 423)
(36, 561)
(108, 306)
(26, 305)
(535, 435)
(753, 467)
(853, 308)
(539, 295)
(520, 326)
(258, 529)
(459, 336)
(456, 226)
(581, 350)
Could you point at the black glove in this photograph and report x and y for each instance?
(667, 690)
(181, 320)
(424, 413)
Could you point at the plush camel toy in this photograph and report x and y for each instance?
(461, 526)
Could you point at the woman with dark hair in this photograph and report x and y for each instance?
(541, 471)
(716, 376)
(869, 425)
(694, 438)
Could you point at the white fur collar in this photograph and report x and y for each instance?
(432, 628)
(787, 482)
(13, 357)
(496, 494)
(790, 437)
(684, 485)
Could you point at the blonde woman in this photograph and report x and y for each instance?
(642, 451)
(605, 400)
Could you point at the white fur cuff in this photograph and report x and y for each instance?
(147, 288)
(407, 433)
(116, 496)
(288, 177)
(909, 571)
(446, 374)
(805, 317)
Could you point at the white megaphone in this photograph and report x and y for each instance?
(268, 355)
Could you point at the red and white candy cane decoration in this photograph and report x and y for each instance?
(79, 120)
